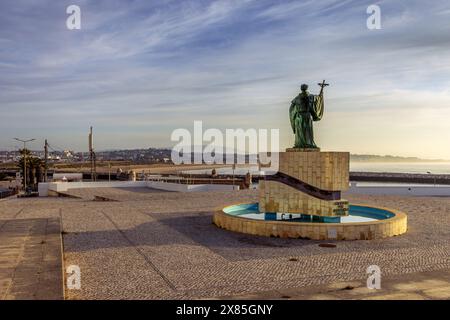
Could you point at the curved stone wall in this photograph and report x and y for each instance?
(316, 231)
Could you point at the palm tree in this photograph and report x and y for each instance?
(34, 167)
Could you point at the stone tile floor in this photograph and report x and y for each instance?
(30, 259)
(413, 286)
(163, 245)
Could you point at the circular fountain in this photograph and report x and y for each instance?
(303, 200)
(362, 223)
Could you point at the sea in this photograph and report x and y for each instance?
(359, 166)
(401, 167)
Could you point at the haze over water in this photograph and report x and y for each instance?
(393, 167)
(401, 167)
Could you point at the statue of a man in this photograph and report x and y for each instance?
(306, 108)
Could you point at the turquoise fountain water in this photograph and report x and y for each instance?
(357, 213)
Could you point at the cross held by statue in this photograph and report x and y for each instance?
(323, 84)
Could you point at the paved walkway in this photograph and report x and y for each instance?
(163, 245)
(30, 259)
(415, 286)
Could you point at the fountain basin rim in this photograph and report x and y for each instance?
(370, 230)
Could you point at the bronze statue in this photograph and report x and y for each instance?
(306, 108)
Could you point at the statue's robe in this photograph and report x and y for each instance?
(305, 108)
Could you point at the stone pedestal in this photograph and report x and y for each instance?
(308, 182)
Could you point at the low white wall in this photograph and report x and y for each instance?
(212, 187)
(64, 186)
(68, 176)
(400, 190)
(167, 186)
(45, 187)
(189, 187)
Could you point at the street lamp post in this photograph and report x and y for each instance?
(24, 161)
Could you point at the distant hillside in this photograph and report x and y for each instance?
(389, 158)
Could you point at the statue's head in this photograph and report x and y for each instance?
(304, 87)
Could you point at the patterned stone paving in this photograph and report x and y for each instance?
(414, 286)
(30, 258)
(163, 245)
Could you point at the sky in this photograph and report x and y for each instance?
(139, 69)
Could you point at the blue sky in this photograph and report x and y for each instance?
(139, 69)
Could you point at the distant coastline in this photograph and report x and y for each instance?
(144, 155)
(389, 158)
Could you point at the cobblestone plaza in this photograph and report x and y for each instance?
(147, 244)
